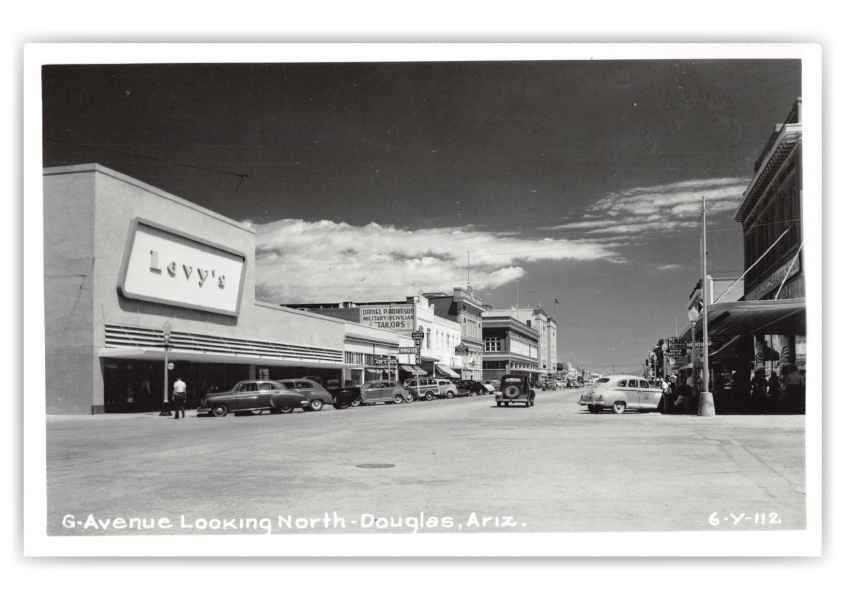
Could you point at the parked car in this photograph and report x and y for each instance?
(473, 388)
(621, 393)
(494, 383)
(316, 394)
(550, 384)
(253, 396)
(429, 388)
(515, 388)
(343, 397)
(389, 392)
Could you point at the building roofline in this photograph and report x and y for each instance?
(98, 168)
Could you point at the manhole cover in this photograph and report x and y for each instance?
(375, 466)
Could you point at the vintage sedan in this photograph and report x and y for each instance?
(513, 389)
(317, 396)
(621, 393)
(474, 388)
(387, 391)
(252, 396)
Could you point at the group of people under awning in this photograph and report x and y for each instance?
(738, 392)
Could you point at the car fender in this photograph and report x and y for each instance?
(609, 398)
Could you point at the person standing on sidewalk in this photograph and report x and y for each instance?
(793, 391)
(179, 392)
(759, 392)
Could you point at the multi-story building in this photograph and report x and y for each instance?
(416, 313)
(771, 214)
(465, 308)
(765, 329)
(511, 346)
(547, 328)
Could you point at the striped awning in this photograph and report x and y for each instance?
(447, 371)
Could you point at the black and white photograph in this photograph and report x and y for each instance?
(424, 300)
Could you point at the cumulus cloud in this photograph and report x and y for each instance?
(663, 207)
(302, 261)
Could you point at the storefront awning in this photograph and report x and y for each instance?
(772, 317)
(154, 354)
(414, 370)
(447, 371)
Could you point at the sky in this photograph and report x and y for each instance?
(580, 181)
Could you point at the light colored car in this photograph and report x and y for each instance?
(429, 388)
(621, 393)
(388, 391)
(494, 383)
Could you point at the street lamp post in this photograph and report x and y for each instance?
(706, 398)
(692, 315)
(166, 329)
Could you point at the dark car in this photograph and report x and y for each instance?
(253, 396)
(317, 396)
(473, 388)
(515, 388)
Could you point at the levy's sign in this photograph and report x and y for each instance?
(166, 266)
(399, 318)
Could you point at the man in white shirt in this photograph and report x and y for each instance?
(179, 392)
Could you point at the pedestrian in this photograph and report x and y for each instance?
(774, 392)
(793, 392)
(759, 391)
(179, 389)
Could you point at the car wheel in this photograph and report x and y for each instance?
(593, 409)
(430, 396)
(356, 402)
(449, 394)
(409, 399)
(220, 410)
(499, 404)
(315, 405)
(398, 399)
(286, 409)
(340, 405)
(619, 408)
(472, 392)
(256, 412)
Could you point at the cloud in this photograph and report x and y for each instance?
(663, 207)
(667, 267)
(324, 261)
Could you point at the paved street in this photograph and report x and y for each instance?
(550, 468)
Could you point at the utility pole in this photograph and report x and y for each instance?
(706, 398)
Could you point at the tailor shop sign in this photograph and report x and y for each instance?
(166, 266)
(393, 318)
